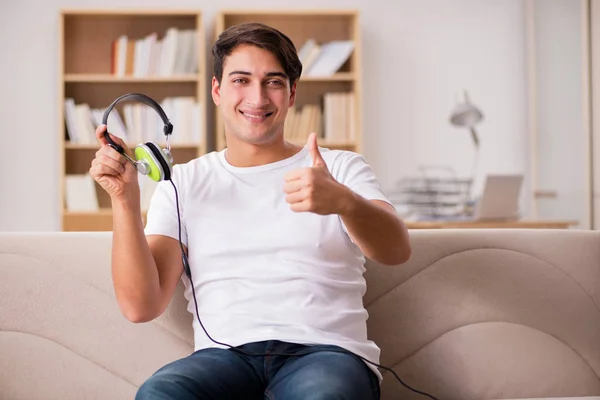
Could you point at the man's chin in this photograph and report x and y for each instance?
(259, 138)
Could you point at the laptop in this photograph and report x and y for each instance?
(500, 198)
(499, 201)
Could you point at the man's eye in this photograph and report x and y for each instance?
(239, 80)
(275, 82)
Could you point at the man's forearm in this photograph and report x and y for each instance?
(135, 275)
(376, 229)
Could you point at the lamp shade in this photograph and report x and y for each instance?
(465, 114)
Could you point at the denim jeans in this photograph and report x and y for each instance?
(315, 372)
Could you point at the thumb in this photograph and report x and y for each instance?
(101, 133)
(313, 148)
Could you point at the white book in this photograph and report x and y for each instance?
(71, 120)
(80, 193)
(169, 50)
(306, 49)
(85, 124)
(121, 55)
(331, 58)
(115, 123)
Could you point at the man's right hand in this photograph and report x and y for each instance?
(112, 170)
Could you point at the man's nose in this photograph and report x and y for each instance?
(257, 96)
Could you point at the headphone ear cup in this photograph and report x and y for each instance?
(159, 161)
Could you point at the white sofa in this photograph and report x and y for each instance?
(475, 314)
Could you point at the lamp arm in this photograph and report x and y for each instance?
(474, 137)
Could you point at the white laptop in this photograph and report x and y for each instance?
(500, 198)
(499, 201)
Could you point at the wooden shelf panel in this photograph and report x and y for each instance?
(100, 96)
(307, 13)
(90, 221)
(108, 78)
(339, 77)
(133, 12)
(313, 93)
(79, 160)
(301, 26)
(174, 147)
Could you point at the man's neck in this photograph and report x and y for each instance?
(241, 154)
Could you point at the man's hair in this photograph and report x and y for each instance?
(259, 35)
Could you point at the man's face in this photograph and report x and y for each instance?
(254, 95)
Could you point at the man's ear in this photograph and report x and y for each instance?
(216, 91)
(293, 94)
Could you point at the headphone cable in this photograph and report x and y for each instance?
(188, 272)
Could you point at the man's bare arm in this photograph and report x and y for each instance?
(145, 269)
(376, 228)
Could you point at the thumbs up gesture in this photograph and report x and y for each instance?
(313, 189)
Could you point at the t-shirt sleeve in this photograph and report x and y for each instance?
(354, 172)
(162, 217)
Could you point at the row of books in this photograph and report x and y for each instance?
(177, 54)
(334, 120)
(174, 54)
(139, 123)
(324, 59)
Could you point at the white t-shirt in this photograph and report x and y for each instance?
(260, 270)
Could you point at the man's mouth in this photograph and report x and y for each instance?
(256, 116)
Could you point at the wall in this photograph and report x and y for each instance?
(417, 55)
(561, 137)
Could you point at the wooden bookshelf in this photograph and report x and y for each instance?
(87, 75)
(322, 26)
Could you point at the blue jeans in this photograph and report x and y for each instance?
(315, 372)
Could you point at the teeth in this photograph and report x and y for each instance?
(256, 116)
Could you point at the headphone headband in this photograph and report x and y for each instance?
(167, 129)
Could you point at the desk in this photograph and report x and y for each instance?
(523, 224)
(561, 398)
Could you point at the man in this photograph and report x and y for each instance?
(276, 236)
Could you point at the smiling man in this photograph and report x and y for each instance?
(276, 235)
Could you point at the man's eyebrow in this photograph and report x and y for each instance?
(269, 74)
(239, 73)
(279, 74)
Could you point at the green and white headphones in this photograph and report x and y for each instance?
(151, 160)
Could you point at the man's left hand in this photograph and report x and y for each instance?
(313, 189)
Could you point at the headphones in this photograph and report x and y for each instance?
(151, 160)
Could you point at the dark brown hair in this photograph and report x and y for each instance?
(259, 35)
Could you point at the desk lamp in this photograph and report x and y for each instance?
(466, 115)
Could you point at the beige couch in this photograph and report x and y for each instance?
(473, 315)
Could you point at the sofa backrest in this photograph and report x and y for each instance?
(490, 314)
(473, 315)
(62, 335)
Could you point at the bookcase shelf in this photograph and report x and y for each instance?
(174, 147)
(91, 41)
(340, 126)
(108, 78)
(338, 77)
(100, 220)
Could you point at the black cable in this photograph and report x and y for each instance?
(188, 272)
